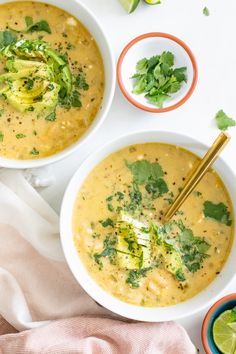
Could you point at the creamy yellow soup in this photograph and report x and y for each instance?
(150, 264)
(25, 135)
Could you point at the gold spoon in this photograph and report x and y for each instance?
(198, 174)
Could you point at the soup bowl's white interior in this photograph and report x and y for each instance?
(75, 8)
(186, 308)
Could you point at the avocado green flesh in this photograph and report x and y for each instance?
(35, 76)
(143, 246)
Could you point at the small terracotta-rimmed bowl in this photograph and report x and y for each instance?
(148, 45)
(226, 303)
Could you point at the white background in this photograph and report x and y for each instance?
(212, 40)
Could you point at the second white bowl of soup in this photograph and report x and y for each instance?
(57, 79)
(114, 240)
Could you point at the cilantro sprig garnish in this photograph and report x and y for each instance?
(157, 78)
(218, 212)
(223, 121)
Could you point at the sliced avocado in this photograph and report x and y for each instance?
(133, 242)
(23, 102)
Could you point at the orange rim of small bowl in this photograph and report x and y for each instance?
(178, 41)
(207, 318)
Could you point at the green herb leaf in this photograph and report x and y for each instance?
(20, 136)
(107, 222)
(167, 58)
(7, 38)
(28, 21)
(218, 212)
(51, 117)
(34, 151)
(1, 137)
(179, 275)
(143, 171)
(80, 82)
(206, 11)
(135, 275)
(157, 188)
(1, 112)
(223, 121)
(41, 26)
(142, 66)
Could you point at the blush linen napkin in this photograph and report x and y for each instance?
(42, 307)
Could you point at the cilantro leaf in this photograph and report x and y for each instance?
(157, 78)
(180, 74)
(1, 137)
(108, 251)
(206, 11)
(179, 275)
(7, 38)
(40, 26)
(167, 58)
(107, 222)
(51, 117)
(34, 151)
(20, 136)
(223, 121)
(218, 212)
(157, 188)
(80, 82)
(135, 275)
(142, 66)
(143, 171)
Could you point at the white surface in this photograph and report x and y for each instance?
(80, 272)
(212, 40)
(90, 21)
(149, 47)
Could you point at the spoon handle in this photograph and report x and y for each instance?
(198, 174)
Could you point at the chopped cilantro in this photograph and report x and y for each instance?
(110, 207)
(34, 152)
(40, 26)
(107, 222)
(51, 117)
(120, 196)
(218, 212)
(135, 275)
(223, 121)
(193, 250)
(1, 137)
(157, 188)
(143, 171)
(20, 136)
(157, 79)
(80, 82)
(108, 251)
(197, 193)
(206, 11)
(70, 46)
(7, 38)
(179, 275)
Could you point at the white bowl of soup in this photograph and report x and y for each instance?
(114, 239)
(57, 80)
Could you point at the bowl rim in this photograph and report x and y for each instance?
(205, 323)
(105, 104)
(136, 102)
(184, 309)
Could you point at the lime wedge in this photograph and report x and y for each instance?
(129, 5)
(223, 334)
(153, 2)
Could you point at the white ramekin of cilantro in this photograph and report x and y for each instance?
(157, 72)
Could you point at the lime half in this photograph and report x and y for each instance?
(153, 2)
(129, 5)
(224, 333)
